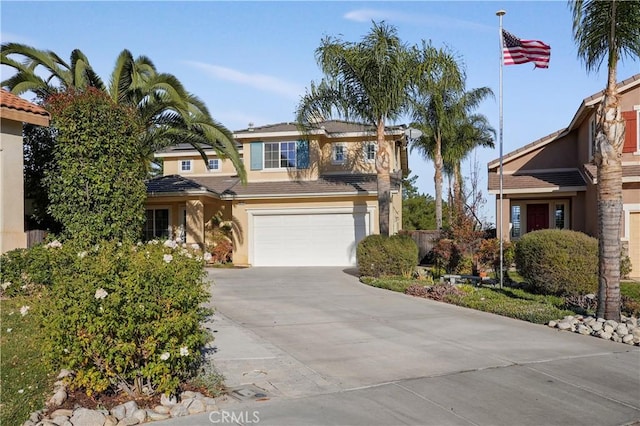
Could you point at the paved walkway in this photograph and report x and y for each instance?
(328, 350)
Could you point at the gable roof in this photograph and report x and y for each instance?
(15, 108)
(568, 180)
(583, 111)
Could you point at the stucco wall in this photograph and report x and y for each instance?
(12, 233)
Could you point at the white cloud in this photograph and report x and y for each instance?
(434, 21)
(263, 82)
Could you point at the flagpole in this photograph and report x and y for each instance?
(500, 14)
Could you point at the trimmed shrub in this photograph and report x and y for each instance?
(25, 271)
(489, 254)
(125, 317)
(378, 255)
(558, 262)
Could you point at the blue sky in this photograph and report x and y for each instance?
(251, 61)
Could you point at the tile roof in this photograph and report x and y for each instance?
(231, 188)
(628, 171)
(172, 184)
(330, 126)
(26, 110)
(547, 180)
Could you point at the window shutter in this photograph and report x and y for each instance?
(631, 131)
(302, 154)
(256, 155)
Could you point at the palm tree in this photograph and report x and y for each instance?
(611, 30)
(434, 108)
(365, 81)
(167, 112)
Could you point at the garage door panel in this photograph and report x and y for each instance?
(320, 239)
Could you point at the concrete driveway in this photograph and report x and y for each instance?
(327, 349)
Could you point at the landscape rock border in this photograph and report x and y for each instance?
(127, 414)
(626, 331)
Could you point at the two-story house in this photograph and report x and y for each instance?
(309, 197)
(551, 182)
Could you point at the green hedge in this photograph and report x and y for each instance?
(25, 271)
(558, 262)
(125, 316)
(378, 255)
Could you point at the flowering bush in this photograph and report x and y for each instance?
(25, 271)
(125, 317)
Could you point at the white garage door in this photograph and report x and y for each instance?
(308, 239)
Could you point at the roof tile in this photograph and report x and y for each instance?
(11, 101)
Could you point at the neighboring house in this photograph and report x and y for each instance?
(14, 111)
(551, 182)
(309, 199)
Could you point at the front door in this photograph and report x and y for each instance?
(537, 217)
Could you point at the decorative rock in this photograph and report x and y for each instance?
(583, 329)
(155, 416)
(612, 323)
(36, 416)
(621, 330)
(552, 324)
(188, 394)
(628, 339)
(59, 420)
(197, 406)
(86, 417)
(209, 401)
(608, 328)
(161, 409)
(596, 326)
(61, 412)
(130, 407)
(28, 423)
(64, 373)
(128, 421)
(179, 410)
(110, 421)
(604, 335)
(564, 325)
(119, 412)
(47, 423)
(58, 398)
(187, 402)
(168, 401)
(141, 415)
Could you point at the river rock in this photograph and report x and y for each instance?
(628, 339)
(161, 409)
(564, 325)
(61, 412)
(110, 421)
(119, 411)
(179, 410)
(168, 401)
(141, 415)
(155, 416)
(128, 421)
(596, 326)
(86, 417)
(552, 324)
(583, 329)
(197, 406)
(130, 408)
(58, 398)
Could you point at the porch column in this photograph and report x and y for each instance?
(195, 222)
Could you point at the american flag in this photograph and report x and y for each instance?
(518, 51)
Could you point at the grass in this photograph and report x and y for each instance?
(506, 301)
(25, 383)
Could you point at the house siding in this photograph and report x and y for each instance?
(12, 233)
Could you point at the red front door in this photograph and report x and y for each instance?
(537, 217)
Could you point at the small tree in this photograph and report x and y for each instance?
(97, 188)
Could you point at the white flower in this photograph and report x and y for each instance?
(170, 243)
(165, 356)
(167, 258)
(184, 351)
(65, 350)
(82, 254)
(6, 285)
(21, 391)
(54, 244)
(195, 246)
(207, 257)
(139, 243)
(100, 293)
(9, 330)
(24, 310)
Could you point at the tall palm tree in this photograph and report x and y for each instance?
(611, 30)
(365, 81)
(434, 109)
(168, 113)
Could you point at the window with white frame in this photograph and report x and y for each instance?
(156, 224)
(185, 166)
(516, 222)
(214, 164)
(279, 155)
(560, 216)
(370, 150)
(338, 153)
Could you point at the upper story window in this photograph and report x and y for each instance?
(370, 150)
(214, 164)
(279, 155)
(338, 153)
(185, 166)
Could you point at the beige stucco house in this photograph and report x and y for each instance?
(551, 182)
(14, 111)
(309, 197)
